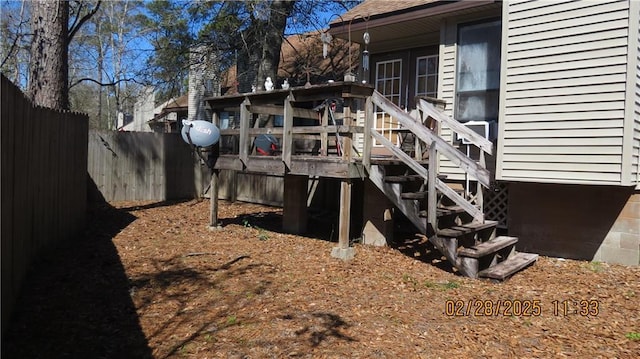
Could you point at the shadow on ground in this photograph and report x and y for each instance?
(320, 225)
(76, 301)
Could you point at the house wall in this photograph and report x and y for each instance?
(447, 82)
(565, 115)
(600, 223)
(635, 174)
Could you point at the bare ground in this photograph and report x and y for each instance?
(152, 281)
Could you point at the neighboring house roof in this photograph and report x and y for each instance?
(172, 105)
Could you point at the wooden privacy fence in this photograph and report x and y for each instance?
(44, 184)
(132, 166)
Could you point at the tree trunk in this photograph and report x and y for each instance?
(48, 68)
(272, 40)
(260, 52)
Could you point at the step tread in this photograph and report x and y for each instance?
(467, 228)
(508, 267)
(392, 161)
(444, 211)
(414, 195)
(488, 247)
(423, 194)
(403, 178)
(408, 178)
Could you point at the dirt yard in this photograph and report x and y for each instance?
(152, 281)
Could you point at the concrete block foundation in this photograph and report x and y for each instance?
(600, 223)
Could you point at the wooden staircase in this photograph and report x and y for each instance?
(452, 219)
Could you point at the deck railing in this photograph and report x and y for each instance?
(321, 129)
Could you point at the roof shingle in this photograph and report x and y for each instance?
(374, 8)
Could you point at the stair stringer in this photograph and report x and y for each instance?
(392, 191)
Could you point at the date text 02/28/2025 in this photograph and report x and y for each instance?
(521, 308)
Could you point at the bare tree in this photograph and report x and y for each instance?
(49, 62)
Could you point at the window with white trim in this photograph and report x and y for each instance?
(478, 72)
(427, 76)
(388, 83)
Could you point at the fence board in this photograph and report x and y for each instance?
(147, 166)
(7, 129)
(43, 187)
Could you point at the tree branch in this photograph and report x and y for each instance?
(78, 23)
(101, 83)
(13, 47)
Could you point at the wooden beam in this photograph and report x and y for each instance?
(265, 164)
(279, 111)
(345, 214)
(452, 153)
(287, 138)
(322, 169)
(444, 188)
(265, 131)
(459, 200)
(324, 137)
(368, 124)
(294, 212)
(417, 143)
(345, 146)
(214, 181)
(245, 119)
(479, 141)
(228, 162)
(417, 167)
(346, 129)
(432, 196)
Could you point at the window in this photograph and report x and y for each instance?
(478, 72)
(388, 80)
(427, 76)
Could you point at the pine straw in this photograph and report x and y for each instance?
(152, 280)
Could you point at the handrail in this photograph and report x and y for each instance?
(419, 169)
(479, 141)
(465, 163)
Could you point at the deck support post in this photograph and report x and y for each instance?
(294, 214)
(213, 198)
(215, 180)
(343, 251)
(377, 229)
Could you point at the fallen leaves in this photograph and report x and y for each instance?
(251, 291)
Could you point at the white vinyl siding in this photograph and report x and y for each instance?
(635, 162)
(446, 86)
(563, 91)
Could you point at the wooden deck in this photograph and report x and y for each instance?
(317, 138)
(320, 166)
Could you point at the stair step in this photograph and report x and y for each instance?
(457, 231)
(444, 211)
(510, 266)
(414, 195)
(392, 161)
(403, 179)
(488, 247)
(408, 178)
